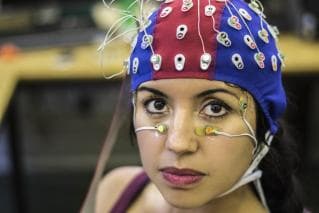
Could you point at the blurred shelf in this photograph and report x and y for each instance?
(53, 38)
(63, 63)
(301, 56)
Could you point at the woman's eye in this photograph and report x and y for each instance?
(156, 106)
(214, 109)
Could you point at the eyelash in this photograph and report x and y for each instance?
(148, 100)
(213, 101)
(209, 101)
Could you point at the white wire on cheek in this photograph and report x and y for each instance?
(236, 135)
(251, 133)
(244, 118)
(251, 130)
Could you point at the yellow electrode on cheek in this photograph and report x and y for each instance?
(205, 131)
(160, 128)
(213, 130)
(156, 133)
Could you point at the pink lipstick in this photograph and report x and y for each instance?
(181, 177)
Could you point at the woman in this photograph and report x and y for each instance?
(207, 95)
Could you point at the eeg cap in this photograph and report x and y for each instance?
(222, 40)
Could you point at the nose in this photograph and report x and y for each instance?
(181, 138)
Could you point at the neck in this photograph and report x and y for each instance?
(241, 200)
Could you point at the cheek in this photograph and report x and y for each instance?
(150, 146)
(229, 157)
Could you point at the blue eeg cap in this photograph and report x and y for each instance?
(242, 46)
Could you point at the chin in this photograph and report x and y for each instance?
(181, 203)
(186, 199)
(184, 205)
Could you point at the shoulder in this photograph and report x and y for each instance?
(112, 185)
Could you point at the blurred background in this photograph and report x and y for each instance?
(55, 105)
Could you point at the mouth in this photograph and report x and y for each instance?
(181, 177)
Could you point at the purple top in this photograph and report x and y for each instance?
(130, 193)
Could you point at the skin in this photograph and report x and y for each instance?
(183, 105)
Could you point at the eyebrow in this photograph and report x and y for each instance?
(155, 91)
(212, 91)
(200, 95)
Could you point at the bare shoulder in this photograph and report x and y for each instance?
(112, 185)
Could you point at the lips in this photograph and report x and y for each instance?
(181, 177)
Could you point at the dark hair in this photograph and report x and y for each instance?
(279, 166)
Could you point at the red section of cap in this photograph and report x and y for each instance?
(167, 45)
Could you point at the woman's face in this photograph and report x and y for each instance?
(189, 169)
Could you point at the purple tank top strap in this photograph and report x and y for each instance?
(130, 193)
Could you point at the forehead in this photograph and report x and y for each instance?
(190, 87)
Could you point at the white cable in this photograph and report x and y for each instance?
(119, 23)
(120, 35)
(261, 193)
(257, 159)
(246, 25)
(141, 11)
(261, 154)
(101, 49)
(252, 132)
(243, 180)
(151, 45)
(112, 76)
(213, 19)
(198, 26)
(251, 175)
(145, 128)
(261, 22)
(228, 8)
(132, 4)
(251, 135)
(142, 24)
(238, 135)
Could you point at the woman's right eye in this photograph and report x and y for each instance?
(156, 106)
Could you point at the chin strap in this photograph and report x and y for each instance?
(253, 174)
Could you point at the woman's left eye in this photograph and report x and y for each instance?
(214, 109)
